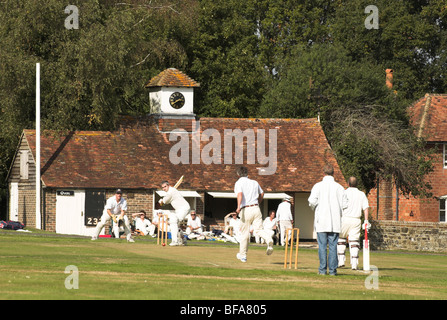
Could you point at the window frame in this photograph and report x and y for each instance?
(444, 156)
(442, 199)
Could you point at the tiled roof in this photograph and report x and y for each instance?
(172, 78)
(429, 117)
(137, 157)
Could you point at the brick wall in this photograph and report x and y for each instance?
(50, 210)
(27, 206)
(411, 208)
(136, 200)
(167, 125)
(412, 236)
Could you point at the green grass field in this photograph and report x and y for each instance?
(32, 266)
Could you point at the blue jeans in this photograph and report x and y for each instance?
(327, 260)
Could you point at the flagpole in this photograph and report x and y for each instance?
(38, 215)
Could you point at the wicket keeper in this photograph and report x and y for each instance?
(115, 209)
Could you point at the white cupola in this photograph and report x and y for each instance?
(171, 93)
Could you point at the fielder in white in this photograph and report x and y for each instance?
(249, 195)
(115, 209)
(181, 207)
(351, 223)
(285, 218)
(270, 225)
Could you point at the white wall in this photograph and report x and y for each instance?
(304, 216)
(159, 100)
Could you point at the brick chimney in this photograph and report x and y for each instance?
(389, 78)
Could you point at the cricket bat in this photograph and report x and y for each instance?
(179, 182)
(366, 252)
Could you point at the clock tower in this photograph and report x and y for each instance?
(171, 95)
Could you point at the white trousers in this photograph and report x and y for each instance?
(174, 218)
(235, 238)
(251, 216)
(189, 231)
(350, 229)
(149, 230)
(115, 227)
(269, 231)
(283, 226)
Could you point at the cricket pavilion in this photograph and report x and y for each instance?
(81, 169)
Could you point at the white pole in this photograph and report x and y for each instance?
(38, 219)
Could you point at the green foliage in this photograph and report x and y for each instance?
(89, 75)
(408, 40)
(270, 58)
(321, 78)
(225, 60)
(365, 122)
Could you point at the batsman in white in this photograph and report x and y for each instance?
(351, 223)
(181, 207)
(115, 209)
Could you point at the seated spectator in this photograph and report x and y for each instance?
(194, 225)
(232, 229)
(142, 224)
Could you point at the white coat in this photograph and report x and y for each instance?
(328, 200)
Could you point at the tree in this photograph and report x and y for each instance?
(364, 121)
(89, 75)
(372, 146)
(283, 24)
(409, 40)
(225, 60)
(322, 78)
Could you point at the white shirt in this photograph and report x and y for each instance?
(116, 207)
(194, 223)
(357, 201)
(236, 224)
(328, 199)
(250, 191)
(176, 200)
(155, 219)
(142, 224)
(284, 211)
(269, 224)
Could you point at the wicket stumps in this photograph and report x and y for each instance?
(162, 232)
(289, 253)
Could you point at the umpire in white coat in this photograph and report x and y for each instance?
(327, 199)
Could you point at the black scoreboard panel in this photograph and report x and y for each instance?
(95, 201)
